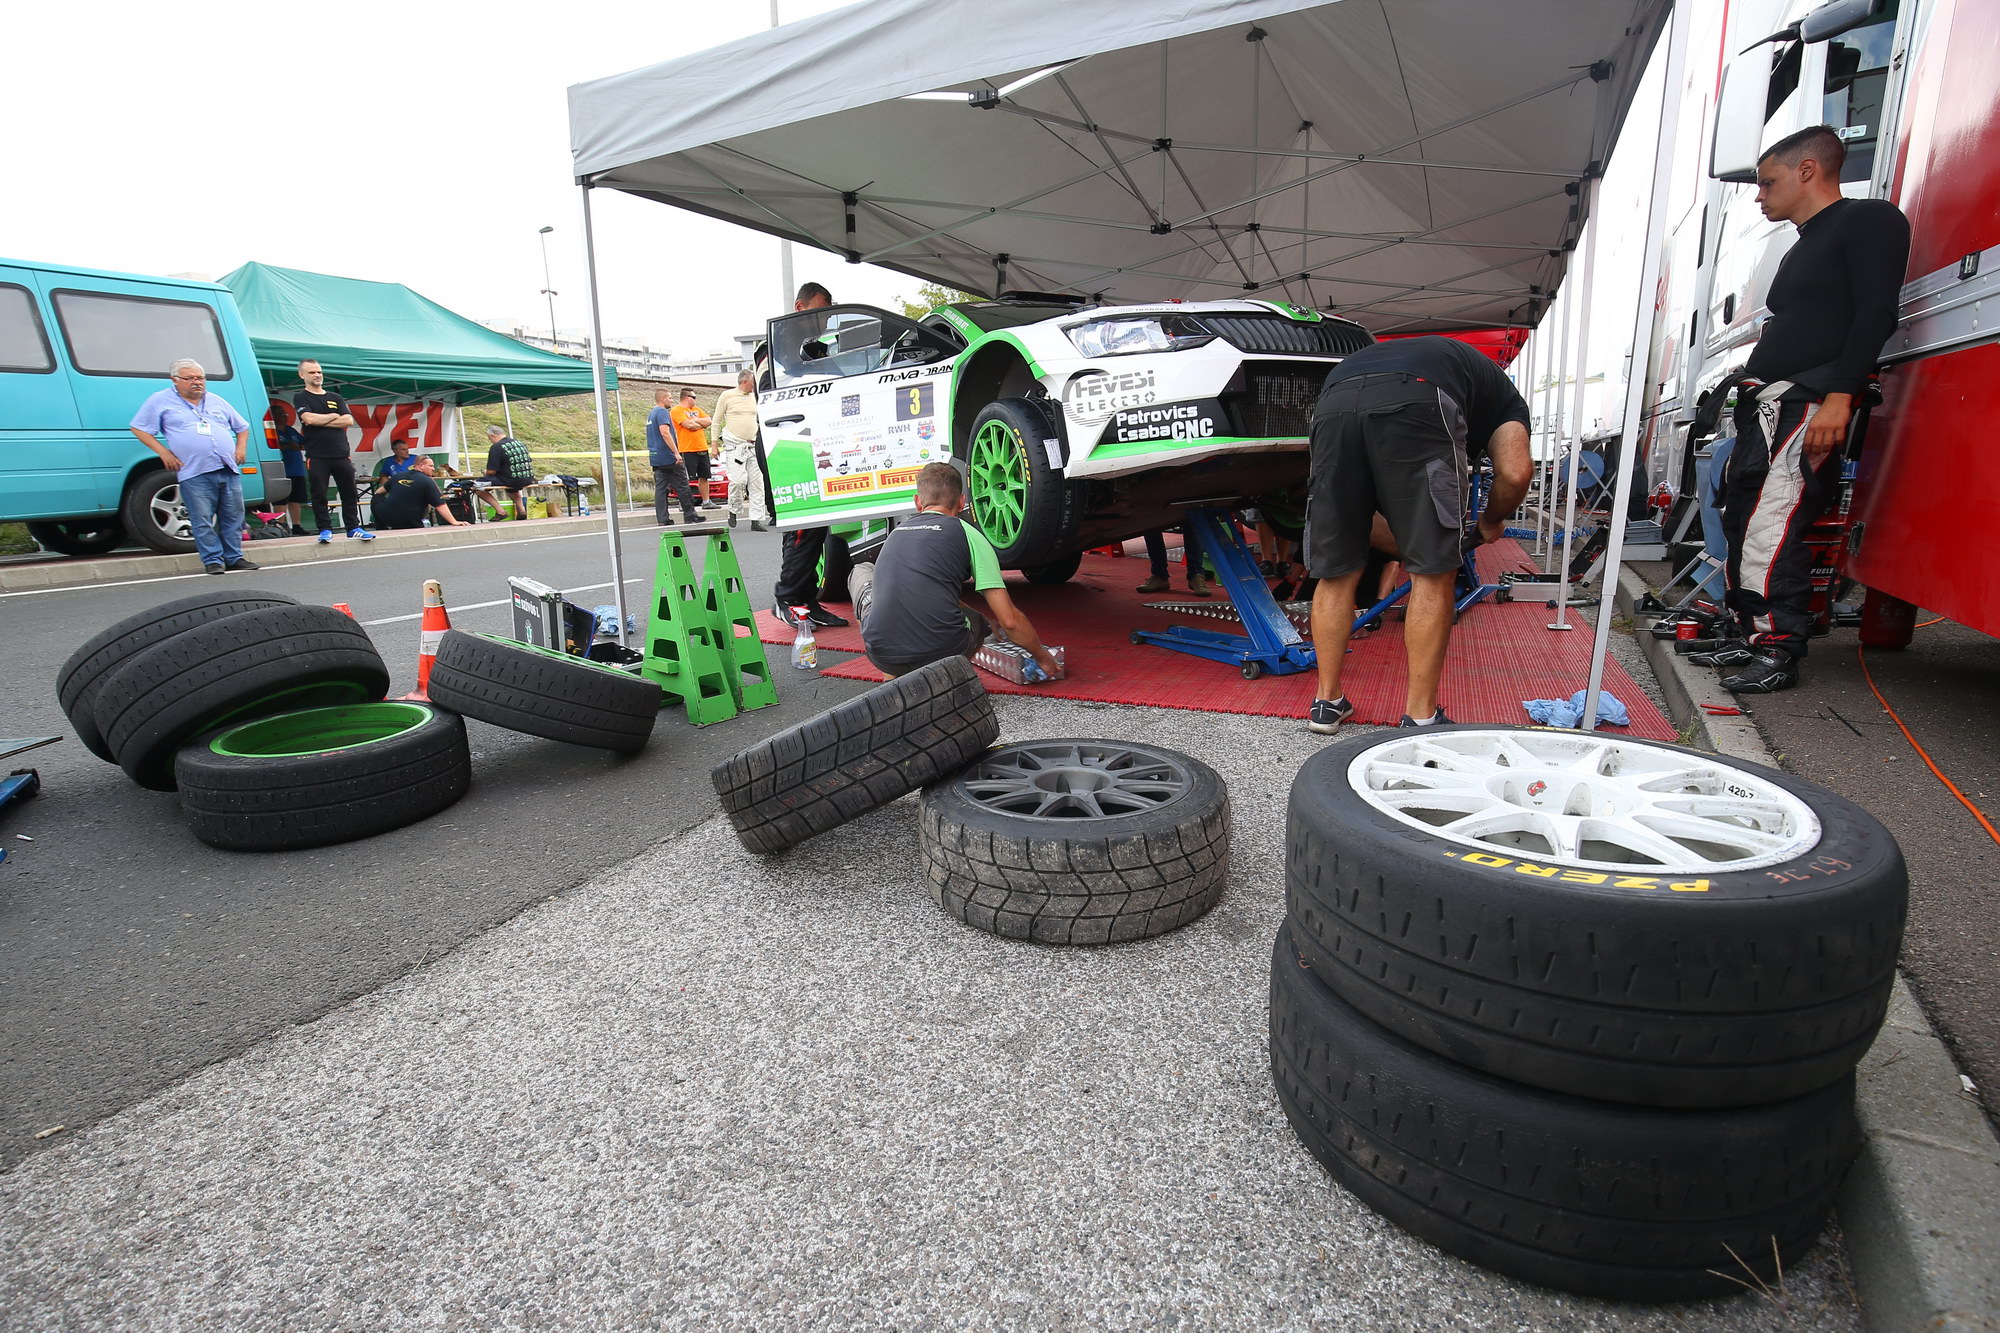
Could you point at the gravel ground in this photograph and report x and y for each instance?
(711, 1091)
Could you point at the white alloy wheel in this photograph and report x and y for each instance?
(1600, 802)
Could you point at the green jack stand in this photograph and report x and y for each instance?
(747, 667)
(683, 649)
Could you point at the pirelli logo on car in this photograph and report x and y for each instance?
(897, 478)
(1575, 875)
(834, 487)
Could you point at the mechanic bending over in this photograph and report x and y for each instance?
(1396, 430)
(908, 600)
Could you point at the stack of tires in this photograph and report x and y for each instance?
(268, 716)
(1581, 1009)
(1062, 841)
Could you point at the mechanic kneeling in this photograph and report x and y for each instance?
(908, 600)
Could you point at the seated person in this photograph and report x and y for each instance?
(406, 499)
(908, 600)
(508, 468)
(395, 463)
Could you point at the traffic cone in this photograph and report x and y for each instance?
(436, 621)
(344, 609)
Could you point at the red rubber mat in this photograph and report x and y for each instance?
(1500, 655)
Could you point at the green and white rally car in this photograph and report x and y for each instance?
(1076, 425)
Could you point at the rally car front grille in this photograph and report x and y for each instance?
(1273, 399)
(1275, 335)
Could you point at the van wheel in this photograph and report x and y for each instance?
(155, 514)
(80, 536)
(1026, 508)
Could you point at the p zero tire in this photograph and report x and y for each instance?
(1077, 841)
(323, 775)
(543, 692)
(103, 653)
(1060, 570)
(275, 660)
(1598, 915)
(856, 756)
(1023, 504)
(1621, 1202)
(155, 513)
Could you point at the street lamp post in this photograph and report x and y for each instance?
(548, 290)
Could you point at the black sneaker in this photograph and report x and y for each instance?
(1765, 672)
(784, 614)
(824, 618)
(1327, 715)
(236, 565)
(1438, 719)
(1728, 653)
(212, 569)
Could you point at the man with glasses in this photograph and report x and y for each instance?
(323, 421)
(190, 429)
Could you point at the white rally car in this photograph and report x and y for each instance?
(1076, 425)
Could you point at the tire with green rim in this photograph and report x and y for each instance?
(275, 660)
(103, 653)
(543, 692)
(1077, 841)
(1060, 570)
(1026, 508)
(323, 775)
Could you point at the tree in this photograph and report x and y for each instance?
(929, 297)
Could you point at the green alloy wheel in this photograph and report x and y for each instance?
(999, 482)
(1018, 497)
(322, 775)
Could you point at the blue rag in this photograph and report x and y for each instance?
(1569, 712)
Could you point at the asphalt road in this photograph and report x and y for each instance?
(1832, 730)
(131, 954)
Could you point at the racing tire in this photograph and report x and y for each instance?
(1618, 1202)
(274, 660)
(103, 653)
(1060, 570)
(155, 515)
(1682, 987)
(857, 756)
(79, 536)
(1077, 841)
(835, 565)
(543, 692)
(1025, 506)
(321, 776)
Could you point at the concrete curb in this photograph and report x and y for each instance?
(293, 551)
(1921, 1208)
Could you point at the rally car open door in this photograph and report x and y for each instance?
(853, 400)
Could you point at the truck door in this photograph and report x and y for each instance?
(853, 401)
(43, 470)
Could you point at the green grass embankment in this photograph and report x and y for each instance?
(561, 435)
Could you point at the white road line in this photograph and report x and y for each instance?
(332, 560)
(481, 606)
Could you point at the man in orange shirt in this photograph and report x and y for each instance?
(691, 437)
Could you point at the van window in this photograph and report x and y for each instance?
(138, 336)
(23, 344)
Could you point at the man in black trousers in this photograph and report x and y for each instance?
(798, 576)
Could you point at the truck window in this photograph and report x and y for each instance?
(24, 346)
(1857, 79)
(137, 337)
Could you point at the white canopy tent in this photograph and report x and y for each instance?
(1417, 165)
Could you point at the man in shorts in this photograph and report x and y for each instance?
(908, 600)
(1396, 430)
(509, 468)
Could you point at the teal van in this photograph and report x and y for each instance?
(80, 349)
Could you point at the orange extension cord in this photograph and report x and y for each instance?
(1950, 786)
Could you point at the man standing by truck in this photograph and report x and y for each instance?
(323, 422)
(1833, 305)
(190, 429)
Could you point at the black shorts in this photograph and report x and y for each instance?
(976, 630)
(1390, 444)
(512, 483)
(697, 465)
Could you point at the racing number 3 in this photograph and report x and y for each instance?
(913, 402)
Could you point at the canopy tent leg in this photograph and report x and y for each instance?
(624, 452)
(1575, 443)
(603, 425)
(1545, 528)
(1526, 362)
(507, 410)
(1642, 327)
(460, 409)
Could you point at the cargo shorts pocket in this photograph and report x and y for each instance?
(1447, 487)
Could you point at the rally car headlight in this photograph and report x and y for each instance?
(1141, 333)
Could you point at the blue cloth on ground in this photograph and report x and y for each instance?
(1569, 712)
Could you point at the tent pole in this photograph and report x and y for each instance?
(603, 427)
(1642, 327)
(1561, 363)
(624, 452)
(507, 410)
(1582, 374)
(1526, 363)
(461, 435)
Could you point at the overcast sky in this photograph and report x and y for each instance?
(425, 143)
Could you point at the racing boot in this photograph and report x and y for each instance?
(1767, 671)
(1726, 653)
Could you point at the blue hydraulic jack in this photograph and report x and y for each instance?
(1273, 645)
(22, 782)
(1466, 589)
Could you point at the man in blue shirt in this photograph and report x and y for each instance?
(190, 429)
(670, 478)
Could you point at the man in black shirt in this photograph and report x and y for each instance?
(798, 569)
(323, 422)
(1396, 431)
(407, 496)
(1833, 305)
(509, 467)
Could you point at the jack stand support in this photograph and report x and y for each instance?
(1273, 645)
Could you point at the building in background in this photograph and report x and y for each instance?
(632, 358)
